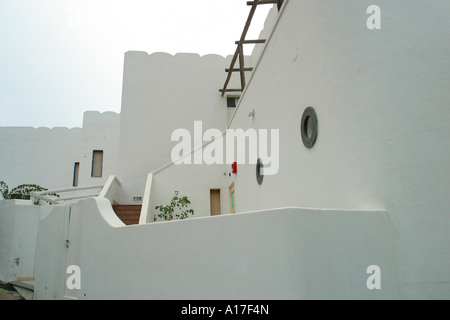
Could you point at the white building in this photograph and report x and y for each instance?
(366, 185)
(49, 157)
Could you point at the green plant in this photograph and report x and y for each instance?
(22, 192)
(177, 209)
(4, 190)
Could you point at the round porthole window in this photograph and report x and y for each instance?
(309, 127)
(259, 172)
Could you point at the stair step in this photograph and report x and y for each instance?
(128, 211)
(124, 219)
(127, 207)
(29, 285)
(130, 222)
(129, 214)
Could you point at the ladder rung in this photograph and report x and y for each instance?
(238, 70)
(230, 90)
(251, 41)
(250, 3)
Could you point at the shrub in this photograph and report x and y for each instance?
(22, 192)
(177, 209)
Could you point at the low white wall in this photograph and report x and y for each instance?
(287, 253)
(18, 232)
(51, 254)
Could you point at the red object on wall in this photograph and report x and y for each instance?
(234, 168)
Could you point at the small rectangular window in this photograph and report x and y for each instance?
(232, 102)
(76, 173)
(97, 164)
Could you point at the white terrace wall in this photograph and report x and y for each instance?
(280, 254)
(382, 102)
(162, 93)
(47, 156)
(379, 147)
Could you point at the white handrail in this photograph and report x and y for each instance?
(111, 190)
(91, 195)
(38, 197)
(71, 189)
(145, 210)
(44, 195)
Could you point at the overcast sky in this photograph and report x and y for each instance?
(59, 58)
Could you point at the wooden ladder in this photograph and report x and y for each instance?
(239, 54)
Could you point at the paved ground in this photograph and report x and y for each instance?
(7, 292)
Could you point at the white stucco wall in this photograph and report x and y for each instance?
(265, 33)
(382, 102)
(277, 254)
(100, 132)
(18, 232)
(193, 181)
(162, 93)
(41, 156)
(51, 254)
(47, 157)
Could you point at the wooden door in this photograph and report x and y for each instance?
(215, 202)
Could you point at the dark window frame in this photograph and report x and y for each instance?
(101, 164)
(232, 102)
(76, 174)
